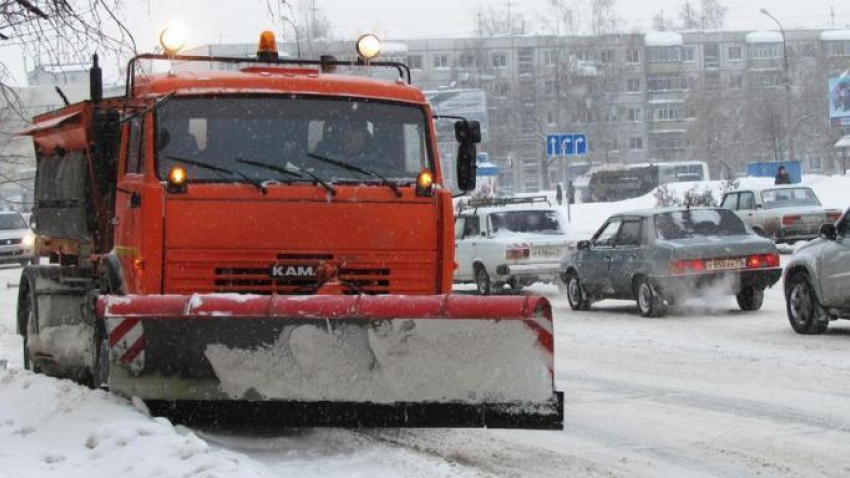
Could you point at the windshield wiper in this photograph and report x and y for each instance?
(292, 170)
(358, 169)
(219, 169)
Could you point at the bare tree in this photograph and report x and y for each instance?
(713, 15)
(302, 22)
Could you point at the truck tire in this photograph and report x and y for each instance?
(482, 280)
(576, 295)
(750, 299)
(650, 303)
(28, 321)
(805, 313)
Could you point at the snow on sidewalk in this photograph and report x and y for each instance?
(56, 428)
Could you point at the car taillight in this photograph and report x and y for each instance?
(758, 261)
(514, 254)
(790, 220)
(688, 265)
(833, 216)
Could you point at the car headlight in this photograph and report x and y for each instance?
(28, 240)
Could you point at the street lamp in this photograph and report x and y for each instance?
(786, 81)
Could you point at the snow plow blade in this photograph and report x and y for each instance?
(383, 361)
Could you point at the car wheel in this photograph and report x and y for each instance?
(750, 299)
(482, 281)
(650, 303)
(576, 295)
(805, 313)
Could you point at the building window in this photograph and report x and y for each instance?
(585, 55)
(764, 51)
(466, 61)
(765, 79)
(551, 117)
(441, 62)
(668, 141)
(835, 49)
(414, 62)
(635, 115)
(583, 116)
(666, 54)
(689, 54)
(655, 83)
(815, 163)
(501, 89)
(633, 55)
(550, 87)
(500, 59)
(607, 56)
(636, 143)
(633, 85)
(550, 57)
(611, 116)
(735, 53)
(667, 112)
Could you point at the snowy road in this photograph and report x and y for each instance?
(706, 391)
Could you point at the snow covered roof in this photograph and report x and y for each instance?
(844, 142)
(663, 39)
(764, 36)
(835, 35)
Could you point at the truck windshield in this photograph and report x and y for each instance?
(388, 138)
(12, 221)
(698, 223)
(545, 222)
(789, 197)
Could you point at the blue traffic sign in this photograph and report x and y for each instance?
(571, 144)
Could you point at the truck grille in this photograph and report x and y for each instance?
(399, 273)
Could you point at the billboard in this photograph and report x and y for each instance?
(466, 103)
(839, 101)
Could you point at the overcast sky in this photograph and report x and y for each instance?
(237, 21)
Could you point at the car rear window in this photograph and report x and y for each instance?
(12, 221)
(698, 223)
(545, 222)
(789, 197)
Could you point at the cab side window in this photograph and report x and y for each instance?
(135, 147)
(459, 227)
(630, 234)
(605, 236)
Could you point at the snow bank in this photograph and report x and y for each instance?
(53, 427)
(764, 36)
(663, 39)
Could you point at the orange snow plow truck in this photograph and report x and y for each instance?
(271, 233)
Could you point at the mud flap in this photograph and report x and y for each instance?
(340, 360)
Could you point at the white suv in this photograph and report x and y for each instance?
(510, 241)
(16, 239)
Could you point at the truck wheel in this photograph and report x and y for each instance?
(750, 299)
(482, 280)
(100, 359)
(805, 313)
(28, 313)
(576, 295)
(650, 303)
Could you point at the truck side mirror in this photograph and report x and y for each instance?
(468, 131)
(466, 167)
(828, 232)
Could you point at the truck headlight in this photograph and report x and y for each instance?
(28, 240)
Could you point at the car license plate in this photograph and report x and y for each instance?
(546, 253)
(725, 264)
(813, 219)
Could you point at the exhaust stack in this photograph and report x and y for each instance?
(95, 81)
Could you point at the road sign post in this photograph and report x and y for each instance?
(564, 145)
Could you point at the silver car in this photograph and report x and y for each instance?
(817, 280)
(17, 240)
(783, 213)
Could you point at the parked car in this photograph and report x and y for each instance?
(817, 280)
(513, 241)
(16, 239)
(660, 257)
(784, 213)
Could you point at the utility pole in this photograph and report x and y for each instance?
(787, 83)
